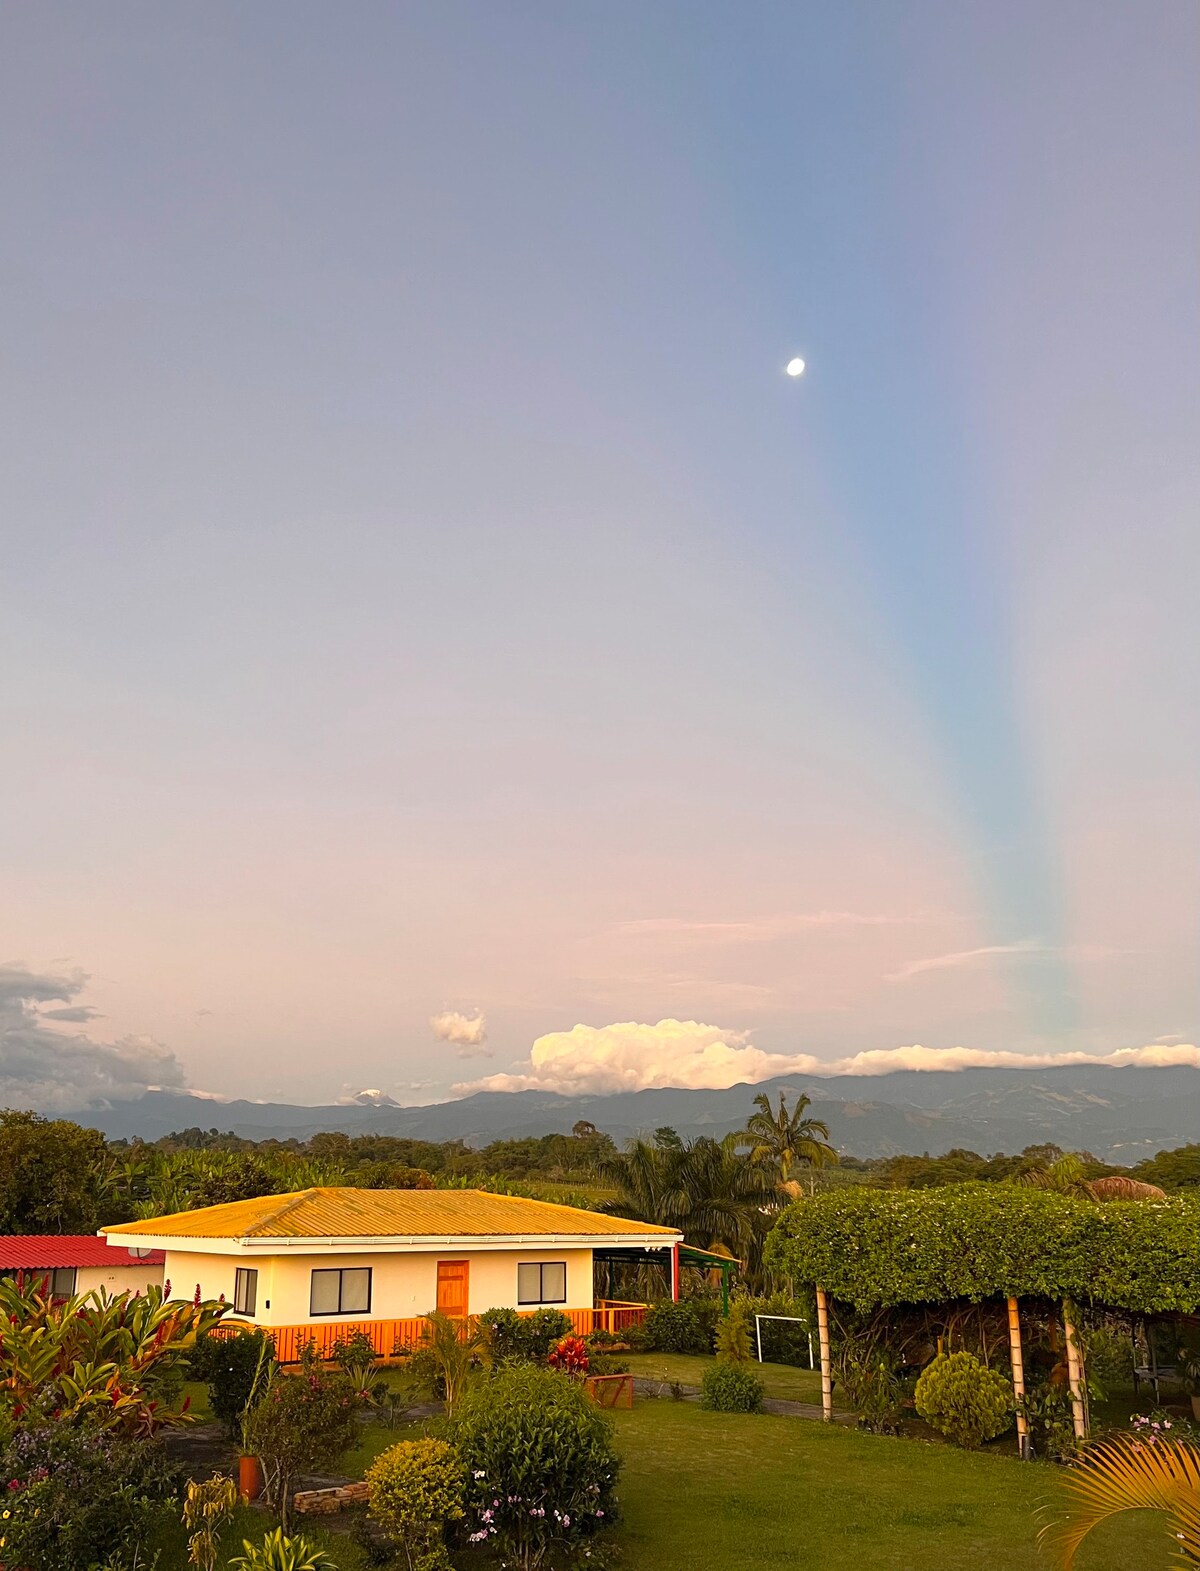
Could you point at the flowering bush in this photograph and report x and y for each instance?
(77, 1495)
(1154, 1428)
(540, 1465)
(570, 1357)
(416, 1488)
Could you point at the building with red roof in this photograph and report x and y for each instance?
(74, 1263)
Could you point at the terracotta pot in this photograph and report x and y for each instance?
(250, 1478)
(1196, 1404)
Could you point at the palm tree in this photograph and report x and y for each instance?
(1114, 1476)
(1062, 1175)
(785, 1140)
(715, 1196)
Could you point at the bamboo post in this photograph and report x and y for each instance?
(1018, 1377)
(1074, 1374)
(826, 1368)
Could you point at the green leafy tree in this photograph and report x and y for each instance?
(734, 1344)
(51, 1175)
(785, 1140)
(236, 1370)
(207, 1506)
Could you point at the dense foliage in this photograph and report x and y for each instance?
(77, 1496)
(53, 1175)
(234, 1369)
(540, 1463)
(731, 1388)
(685, 1327)
(112, 1361)
(976, 1241)
(278, 1552)
(964, 1399)
(417, 1487)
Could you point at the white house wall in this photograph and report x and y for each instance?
(403, 1285)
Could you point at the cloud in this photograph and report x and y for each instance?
(591, 1060)
(965, 957)
(467, 1033)
(56, 1071)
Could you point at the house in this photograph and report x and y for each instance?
(322, 1263)
(71, 1264)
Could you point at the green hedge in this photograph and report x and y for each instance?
(876, 1248)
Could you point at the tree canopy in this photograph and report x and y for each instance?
(879, 1248)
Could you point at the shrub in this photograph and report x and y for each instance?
(356, 1358)
(540, 1463)
(507, 1334)
(867, 1371)
(730, 1388)
(234, 1369)
(545, 1327)
(964, 1399)
(416, 1488)
(78, 1495)
(733, 1334)
(305, 1422)
(207, 1506)
(278, 1552)
(677, 1328)
(783, 1340)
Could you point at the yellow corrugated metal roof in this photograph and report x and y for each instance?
(385, 1213)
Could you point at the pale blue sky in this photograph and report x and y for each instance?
(423, 590)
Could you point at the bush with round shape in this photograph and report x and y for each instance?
(545, 1327)
(540, 1464)
(417, 1487)
(964, 1399)
(731, 1388)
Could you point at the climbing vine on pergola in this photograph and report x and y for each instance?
(886, 1248)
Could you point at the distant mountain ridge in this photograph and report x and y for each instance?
(1121, 1115)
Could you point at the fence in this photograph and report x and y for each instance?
(389, 1337)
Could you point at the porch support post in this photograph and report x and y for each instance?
(725, 1290)
(1075, 1373)
(675, 1273)
(826, 1365)
(1018, 1376)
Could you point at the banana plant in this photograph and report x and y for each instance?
(1120, 1475)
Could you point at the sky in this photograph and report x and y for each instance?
(439, 646)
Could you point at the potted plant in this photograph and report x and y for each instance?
(250, 1473)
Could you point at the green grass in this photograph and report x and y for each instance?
(752, 1493)
(779, 1380)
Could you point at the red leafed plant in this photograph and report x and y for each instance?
(570, 1356)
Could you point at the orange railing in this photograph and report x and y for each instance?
(390, 1336)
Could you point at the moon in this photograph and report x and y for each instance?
(795, 367)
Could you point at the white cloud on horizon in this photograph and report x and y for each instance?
(466, 1033)
(633, 1056)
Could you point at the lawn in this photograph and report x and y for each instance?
(749, 1493)
(779, 1380)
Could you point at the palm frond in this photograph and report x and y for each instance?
(1114, 1476)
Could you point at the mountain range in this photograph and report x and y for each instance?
(1119, 1114)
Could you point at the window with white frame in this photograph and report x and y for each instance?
(542, 1282)
(340, 1292)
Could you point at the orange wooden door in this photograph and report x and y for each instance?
(453, 1277)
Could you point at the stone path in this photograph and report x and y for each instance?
(660, 1389)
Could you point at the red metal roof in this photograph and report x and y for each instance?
(39, 1251)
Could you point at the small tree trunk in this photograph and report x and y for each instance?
(1075, 1374)
(826, 1367)
(1018, 1376)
